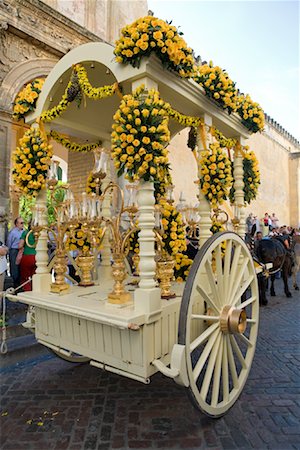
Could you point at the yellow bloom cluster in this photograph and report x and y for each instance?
(31, 162)
(90, 91)
(77, 239)
(149, 34)
(173, 229)
(251, 114)
(73, 146)
(223, 141)
(251, 177)
(182, 267)
(215, 173)
(140, 136)
(217, 85)
(27, 98)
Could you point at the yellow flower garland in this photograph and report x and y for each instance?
(56, 111)
(215, 173)
(150, 34)
(90, 91)
(217, 85)
(187, 121)
(26, 99)
(73, 146)
(140, 136)
(31, 162)
(223, 141)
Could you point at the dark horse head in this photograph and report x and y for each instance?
(274, 251)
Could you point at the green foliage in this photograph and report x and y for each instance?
(26, 204)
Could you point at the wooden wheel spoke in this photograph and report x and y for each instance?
(232, 272)
(227, 262)
(251, 321)
(218, 256)
(217, 375)
(210, 367)
(237, 295)
(225, 374)
(232, 365)
(236, 279)
(212, 282)
(205, 354)
(204, 317)
(207, 298)
(238, 352)
(203, 337)
(246, 302)
(245, 339)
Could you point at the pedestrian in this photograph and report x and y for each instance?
(13, 249)
(275, 220)
(258, 237)
(249, 222)
(27, 265)
(3, 266)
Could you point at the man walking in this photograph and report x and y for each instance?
(3, 266)
(13, 248)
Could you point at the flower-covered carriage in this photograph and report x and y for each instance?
(201, 333)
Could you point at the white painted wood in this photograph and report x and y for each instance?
(41, 280)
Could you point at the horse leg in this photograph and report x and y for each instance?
(285, 272)
(272, 290)
(262, 287)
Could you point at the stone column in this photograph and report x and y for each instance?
(204, 206)
(42, 279)
(147, 296)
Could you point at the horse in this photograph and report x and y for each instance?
(274, 251)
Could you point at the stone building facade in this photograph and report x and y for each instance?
(34, 35)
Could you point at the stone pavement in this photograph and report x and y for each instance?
(49, 404)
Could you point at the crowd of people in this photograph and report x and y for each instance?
(21, 253)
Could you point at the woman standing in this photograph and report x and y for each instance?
(27, 264)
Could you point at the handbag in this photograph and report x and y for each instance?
(19, 256)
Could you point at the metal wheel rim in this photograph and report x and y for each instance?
(235, 274)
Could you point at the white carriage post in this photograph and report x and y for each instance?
(204, 206)
(41, 280)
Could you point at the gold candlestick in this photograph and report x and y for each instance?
(119, 295)
(165, 272)
(85, 264)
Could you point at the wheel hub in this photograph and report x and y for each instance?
(233, 320)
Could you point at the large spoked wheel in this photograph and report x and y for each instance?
(218, 322)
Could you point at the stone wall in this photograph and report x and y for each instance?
(105, 18)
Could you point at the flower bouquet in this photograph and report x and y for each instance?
(251, 178)
(140, 136)
(25, 101)
(31, 162)
(251, 113)
(149, 34)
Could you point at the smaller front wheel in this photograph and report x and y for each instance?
(70, 356)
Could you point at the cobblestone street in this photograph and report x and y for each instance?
(51, 404)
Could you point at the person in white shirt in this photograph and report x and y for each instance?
(3, 266)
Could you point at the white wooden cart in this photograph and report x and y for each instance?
(205, 337)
